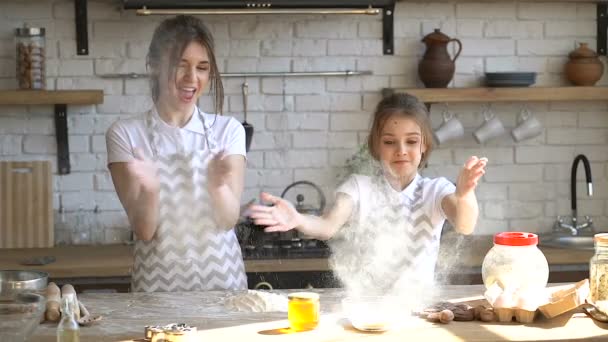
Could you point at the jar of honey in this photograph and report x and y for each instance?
(303, 310)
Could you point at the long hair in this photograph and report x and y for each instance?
(407, 106)
(170, 39)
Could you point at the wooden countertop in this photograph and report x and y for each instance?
(126, 315)
(117, 260)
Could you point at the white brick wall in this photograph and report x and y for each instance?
(306, 127)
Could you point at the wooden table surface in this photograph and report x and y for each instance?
(125, 316)
(117, 260)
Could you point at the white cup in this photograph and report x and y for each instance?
(528, 127)
(450, 129)
(491, 128)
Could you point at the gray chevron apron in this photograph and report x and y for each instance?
(392, 249)
(188, 251)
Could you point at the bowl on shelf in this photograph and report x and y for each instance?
(14, 281)
(20, 314)
(510, 79)
(373, 313)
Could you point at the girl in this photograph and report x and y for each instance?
(179, 172)
(385, 229)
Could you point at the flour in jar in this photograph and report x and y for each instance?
(256, 301)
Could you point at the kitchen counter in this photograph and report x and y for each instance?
(125, 315)
(117, 260)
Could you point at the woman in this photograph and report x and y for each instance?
(179, 172)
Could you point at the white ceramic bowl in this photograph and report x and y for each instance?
(373, 313)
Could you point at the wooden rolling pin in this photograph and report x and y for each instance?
(53, 303)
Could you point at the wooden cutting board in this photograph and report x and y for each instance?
(26, 204)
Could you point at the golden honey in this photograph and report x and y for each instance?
(303, 310)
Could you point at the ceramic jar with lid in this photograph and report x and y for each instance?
(584, 67)
(30, 44)
(515, 263)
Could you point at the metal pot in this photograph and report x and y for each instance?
(14, 281)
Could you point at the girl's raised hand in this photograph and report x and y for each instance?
(472, 170)
(280, 217)
(143, 172)
(218, 170)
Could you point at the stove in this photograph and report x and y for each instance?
(256, 244)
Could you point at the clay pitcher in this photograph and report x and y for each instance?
(436, 69)
(584, 67)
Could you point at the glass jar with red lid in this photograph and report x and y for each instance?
(515, 263)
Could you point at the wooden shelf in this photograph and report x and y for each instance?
(60, 99)
(452, 95)
(46, 97)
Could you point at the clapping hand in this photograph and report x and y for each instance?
(143, 173)
(469, 175)
(280, 217)
(218, 170)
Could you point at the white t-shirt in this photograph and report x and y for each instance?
(391, 241)
(125, 135)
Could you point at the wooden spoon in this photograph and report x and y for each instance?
(85, 317)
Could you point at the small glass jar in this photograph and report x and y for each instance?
(598, 273)
(515, 263)
(303, 310)
(30, 44)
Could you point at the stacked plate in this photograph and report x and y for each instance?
(510, 79)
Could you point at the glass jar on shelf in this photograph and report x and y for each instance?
(598, 273)
(31, 54)
(515, 263)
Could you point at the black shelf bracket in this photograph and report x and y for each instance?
(388, 31)
(82, 33)
(602, 29)
(61, 134)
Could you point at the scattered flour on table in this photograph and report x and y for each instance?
(257, 301)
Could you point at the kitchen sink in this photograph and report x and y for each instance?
(567, 241)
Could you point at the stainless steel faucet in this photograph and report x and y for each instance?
(574, 227)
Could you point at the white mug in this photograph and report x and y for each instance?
(450, 129)
(491, 128)
(528, 127)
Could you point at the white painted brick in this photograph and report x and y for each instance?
(103, 182)
(87, 162)
(440, 156)
(241, 64)
(576, 106)
(79, 143)
(39, 144)
(140, 29)
(312, 103)
(559, 29)
(277, 48)
(78, 200)
(64, 29)
(513, 173)
(538, 64)
(533, 225)
(490, 227)
(543, 154)
(350, 122)
(586, 11)
(26, 10)
(407, 28)
(400, 82)
(371, 82)
(310, 139)
(137, 86)
(255, 159)
(117, 235)
(75, 182)
(532, 192)
(344, 84)
(271, 29)
(556, 47)
(134, 104)
(370, 102)
(304, 85)
(321, 177)
(107, 200)
(13, 125)
(270, 141)
(388, 64)
(495, 155)
(119, 66)
(513, 209)
(485, 10)
(309, 47)
(277, 178)
(340, 29)
(273, 85)
(514, 29)
(502, 64)
(98, 144)
(491, 191)
(324, 64)
(407, 47)
(7, 67)
(245, 48)
(274, 64)
(337, 158)
(471, 28)
(576, 136)
(373, 29)
(10, 145)
(593, 119)
(299, 121)
(488, 47)
(109, 86)
(75, 67)
(138, 49)
(7, 49)
(97, 49)
(424, 10)
(595, 153)
(295, 159)
(557, 119)
(559, 10)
